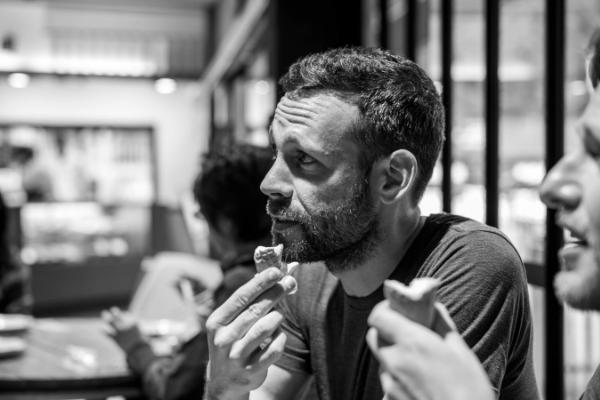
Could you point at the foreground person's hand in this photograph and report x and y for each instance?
(244, 338)
(420, 364)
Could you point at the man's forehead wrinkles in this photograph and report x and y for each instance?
(300, 111)
(307, 103)
(283, 115)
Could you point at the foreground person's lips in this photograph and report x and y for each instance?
(573, 249)
(575, 236)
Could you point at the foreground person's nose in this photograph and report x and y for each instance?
(560, 189)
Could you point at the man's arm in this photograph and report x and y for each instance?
(484, 289)
(244, 336)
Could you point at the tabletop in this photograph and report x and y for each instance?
(67, 358)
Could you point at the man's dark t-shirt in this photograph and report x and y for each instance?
(592, 391)
(483, 285)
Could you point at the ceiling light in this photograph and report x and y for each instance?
(165, 85)
(18, 80)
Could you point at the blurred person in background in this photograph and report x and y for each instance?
(228, 195)
(15, 281)
(356, 137)
(441, 366)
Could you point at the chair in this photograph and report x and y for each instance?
(157, 295)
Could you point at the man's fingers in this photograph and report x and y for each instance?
(262, 305)
(442, 321)
(270, 353)
(109, 328)
(373, 342)
(256, 336)
(393, 388)
(243, 297)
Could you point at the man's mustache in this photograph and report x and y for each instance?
(280, 209)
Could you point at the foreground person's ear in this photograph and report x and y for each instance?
(397, 175)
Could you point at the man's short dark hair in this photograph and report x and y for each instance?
(593, 51)
(229, 187)
(398, 104)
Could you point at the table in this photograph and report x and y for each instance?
(67, 358)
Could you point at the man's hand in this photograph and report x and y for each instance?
(122, 327)
(244, 338)
(420, 364)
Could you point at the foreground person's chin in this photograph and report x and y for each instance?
(579, 285)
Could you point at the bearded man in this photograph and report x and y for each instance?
(355, 138)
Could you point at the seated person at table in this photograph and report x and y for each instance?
(15, 284)
(356, 137)
(227, 192)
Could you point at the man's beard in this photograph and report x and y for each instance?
(343, 236)
(580, 287)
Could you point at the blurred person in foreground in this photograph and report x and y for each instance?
(15, 277)
(441, 366)
(228, 195)
(355, 138)
(592, 60)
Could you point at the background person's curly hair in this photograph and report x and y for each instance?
(398, 103)
(229, 187)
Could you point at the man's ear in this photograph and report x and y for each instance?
(397, 175)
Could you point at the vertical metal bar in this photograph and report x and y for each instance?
(412, 26)
(383, 26)
(447, 40)
(555, 110)
(213, 124)
(492, 110)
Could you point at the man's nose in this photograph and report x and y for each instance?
(560, 188)
(276, 183)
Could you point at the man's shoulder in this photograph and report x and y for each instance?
(459, 223)
(451, 227)
(592, 390)
(473, 250)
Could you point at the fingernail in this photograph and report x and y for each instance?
(291, 266)
(289, 284)
(274, 273)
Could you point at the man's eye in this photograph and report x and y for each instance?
(591, 143)
(305, 160)
(273, 152)
(593, 153)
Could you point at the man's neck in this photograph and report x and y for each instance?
(368, 276)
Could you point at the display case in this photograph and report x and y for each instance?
(84, 197)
